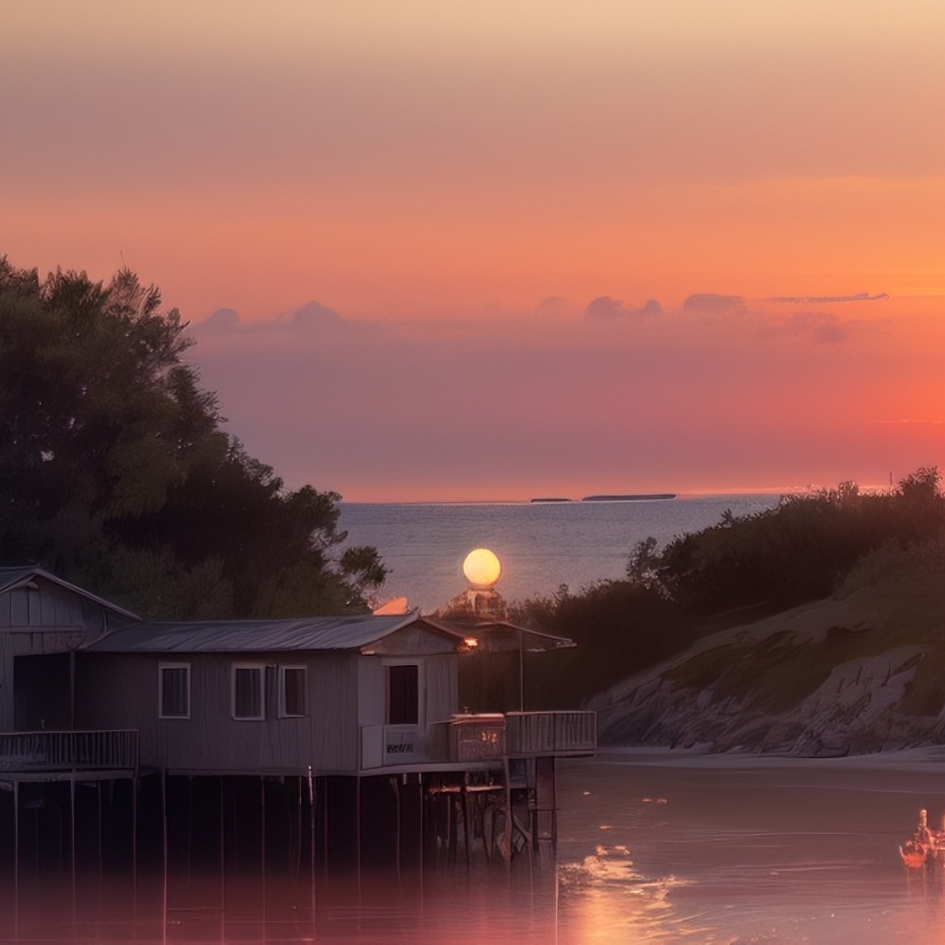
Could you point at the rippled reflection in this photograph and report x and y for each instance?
(728, 853)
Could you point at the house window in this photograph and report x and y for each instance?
(174, 690)
(403, 694)
(248, 692)
(291, 691)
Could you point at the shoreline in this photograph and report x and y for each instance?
(924, 759)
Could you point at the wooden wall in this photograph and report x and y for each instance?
(6, 682)
(46, 606)
(438, 687)
(41, 620)
(344, 692)
(121, 691)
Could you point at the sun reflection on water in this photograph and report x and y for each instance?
(604, 898)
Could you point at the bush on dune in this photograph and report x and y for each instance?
(730, 573)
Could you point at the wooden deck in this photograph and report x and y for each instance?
(482, 739)
(38, 752)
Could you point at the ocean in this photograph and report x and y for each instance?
(540, 545)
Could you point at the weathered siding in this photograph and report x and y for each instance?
(438, 687)
(441, 687)
(121, 691)
(44, 606)
(6, 682)
(372, 691)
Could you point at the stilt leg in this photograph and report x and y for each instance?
(72, 836)
(464, 801)
(16, 859)
(134, 842)
(164, 847)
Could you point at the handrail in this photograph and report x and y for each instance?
(85, 750)
(539, 733)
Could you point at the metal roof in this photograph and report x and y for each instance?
(12, 578)
(501, 634)
(228, 636)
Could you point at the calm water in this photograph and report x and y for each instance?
(651, 850)
(541, 546)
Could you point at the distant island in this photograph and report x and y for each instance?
(641, 497)
(629, 498)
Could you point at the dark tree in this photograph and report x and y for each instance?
(114, 470)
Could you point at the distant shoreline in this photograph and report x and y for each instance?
(640, 497)
(631, 497)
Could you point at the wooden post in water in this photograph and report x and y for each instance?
(396, 786)
(16, 859)
(72, 835)
(299, 832)
(101, 851)
(164, 847)
(222, 850)
(134, 842)
(506, 843)
(357, 805)
(325, 831)
(464, 801)
(311, 827)
(450, 831)
(262, 841)
(190, 823)
(422, 816)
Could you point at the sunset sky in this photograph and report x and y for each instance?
(482, 198)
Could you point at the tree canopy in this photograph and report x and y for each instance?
(115, 472)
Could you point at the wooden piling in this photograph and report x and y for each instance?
(222, 846)
(134, 842)
(464, 803)
(164, 848)
(72, 836)
(16, 858)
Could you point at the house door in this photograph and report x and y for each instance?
(403, 694)
(42, 697)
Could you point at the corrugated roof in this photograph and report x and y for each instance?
(227, 636)
(11, 578)
(501, 634)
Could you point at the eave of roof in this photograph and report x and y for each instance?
(244, 636)
(482, 630)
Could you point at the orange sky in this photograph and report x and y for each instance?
(424, 164)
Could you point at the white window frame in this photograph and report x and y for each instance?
(421, 690)
(255, 667)
(161, 668)
(283, 712)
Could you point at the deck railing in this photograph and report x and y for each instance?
(551, 733)
(386, 745)
(65, 751)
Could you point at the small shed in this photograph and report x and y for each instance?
(43, 622)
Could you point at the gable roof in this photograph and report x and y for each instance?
(497, 635)
(232, 636)
(13, 578)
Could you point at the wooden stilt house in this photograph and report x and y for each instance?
(347, 715)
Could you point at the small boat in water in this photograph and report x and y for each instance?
(914, 855)
(925, 848)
